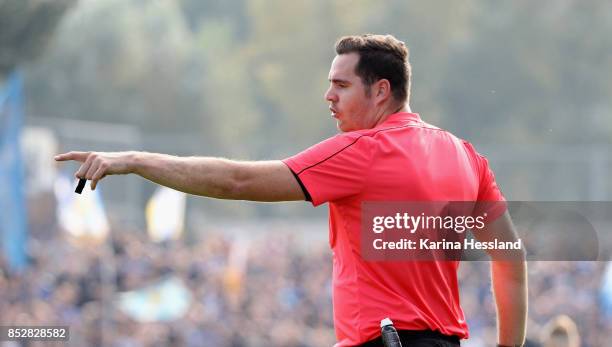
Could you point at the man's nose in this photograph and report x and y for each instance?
(330, 95)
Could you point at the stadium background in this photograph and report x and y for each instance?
(526, 82)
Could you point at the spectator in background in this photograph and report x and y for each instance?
(300, 288)
(561, 331)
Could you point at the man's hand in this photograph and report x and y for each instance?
(97, 165)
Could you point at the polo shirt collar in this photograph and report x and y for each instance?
(401, 118)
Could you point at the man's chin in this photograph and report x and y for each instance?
(343, 127)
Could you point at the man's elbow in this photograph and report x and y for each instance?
(237, 189)
(229, 188)
(238, 184)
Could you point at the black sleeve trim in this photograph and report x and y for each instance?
(304, 190)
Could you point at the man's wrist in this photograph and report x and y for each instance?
(132, 162)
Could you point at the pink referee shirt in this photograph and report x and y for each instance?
(403, 159)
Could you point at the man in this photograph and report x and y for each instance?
(383, 153)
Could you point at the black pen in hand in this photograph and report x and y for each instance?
(80, 186)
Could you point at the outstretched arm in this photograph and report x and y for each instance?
(212, 177)
(509, 277)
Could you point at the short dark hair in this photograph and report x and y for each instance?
(380, 56)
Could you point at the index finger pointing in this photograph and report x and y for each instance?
(78, 156)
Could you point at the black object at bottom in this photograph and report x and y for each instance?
(390, 337)
(80, 186)
(419, 338)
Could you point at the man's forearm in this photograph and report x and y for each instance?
(510, 290)
(212, 177)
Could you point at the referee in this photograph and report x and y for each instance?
(383, 152)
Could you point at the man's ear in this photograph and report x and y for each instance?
(382, 89)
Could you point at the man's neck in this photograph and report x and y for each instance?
(391, 109)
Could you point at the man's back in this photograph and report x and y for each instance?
(403, 159)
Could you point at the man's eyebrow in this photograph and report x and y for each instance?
(337, 80)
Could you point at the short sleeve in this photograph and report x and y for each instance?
(333, 169)
(488, 189)
(490, 200)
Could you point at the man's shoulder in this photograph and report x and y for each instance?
(370, 136)
(339, 143)
(350, 138)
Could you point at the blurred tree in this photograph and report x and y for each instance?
(246, 79)
(431, 30)
(289, 67)
(133, 65)
(199, 12)
(243, 72)
(25, 28)
(229, 114)
(533, 72)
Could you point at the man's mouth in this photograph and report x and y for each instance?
(334, 112)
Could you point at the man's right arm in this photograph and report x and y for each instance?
(206, 176)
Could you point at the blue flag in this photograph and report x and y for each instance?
(606, 292)
(13, 225)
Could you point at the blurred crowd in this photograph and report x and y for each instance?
(278, 295)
